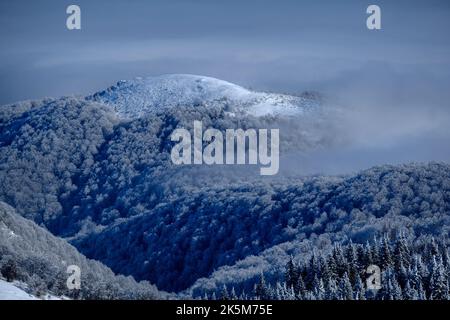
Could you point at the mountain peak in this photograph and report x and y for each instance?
(141, 96)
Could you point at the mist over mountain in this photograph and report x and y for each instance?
(97, 171)
(66, 154)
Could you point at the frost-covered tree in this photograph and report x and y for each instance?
(9, 270)
(345, 290)
(438, 280)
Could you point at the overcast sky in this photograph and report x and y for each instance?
(397, 77)
(286, 45)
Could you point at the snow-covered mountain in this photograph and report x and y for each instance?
(141, 96)
(97, 172)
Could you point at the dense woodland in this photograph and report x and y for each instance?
(107, 186)
(409, 271)
(38, 261)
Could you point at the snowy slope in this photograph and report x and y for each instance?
(13, 291)
(8, 291)
(138, 97)
(42, 259)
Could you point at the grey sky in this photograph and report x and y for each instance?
(286, 45)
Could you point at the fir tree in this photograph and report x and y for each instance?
(313, 270)
(410, 293)
(438, 281)
(332, 267)
(291, 274)
(339, 258)
(318, 288)
(331, 292)
(360, 292)
(345, 291)
(9, 270)
(421, 292)
(375, 252)
(233, 295)
(391, 289)
(299, 288)
(326, 274)
(352, 260)
(262, 291)
(386, 255)
(364, 256)
(224, 293)
(401, 252)
(433, 249)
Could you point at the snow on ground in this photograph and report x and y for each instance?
(135, 98)
(8, 291)
(12, 291)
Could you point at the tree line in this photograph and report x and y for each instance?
(410, 270)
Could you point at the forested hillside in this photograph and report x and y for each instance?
(96, 171)
(410, 269)
(198, 232)
(35, 257)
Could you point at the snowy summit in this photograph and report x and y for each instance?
(135, 98)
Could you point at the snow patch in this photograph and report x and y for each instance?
(8, 291)
(15, 291)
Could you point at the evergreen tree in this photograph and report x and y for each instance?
(420, 272)
(37, 286)
(445, 255)
(391, 289)
(402, 275)
(376, 252)
(352, 261)
(345, 291)
(433, 249)
(284, 293)
(9, 270)
(410, 293)
(243, 296)
(59, 286)
(438, 281)
(396, 290)
(339, 258)
(233, 295)
(332, 267)
(291, 274)
(313, 270)
(262, 291)
(331, 292)
(401, 252)
(318, 288)
(281, 291)
(326, 273)
(364, 256)
(224, 293)
(386, 255)
(299, 288)
(421, 292)
(360, 292)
